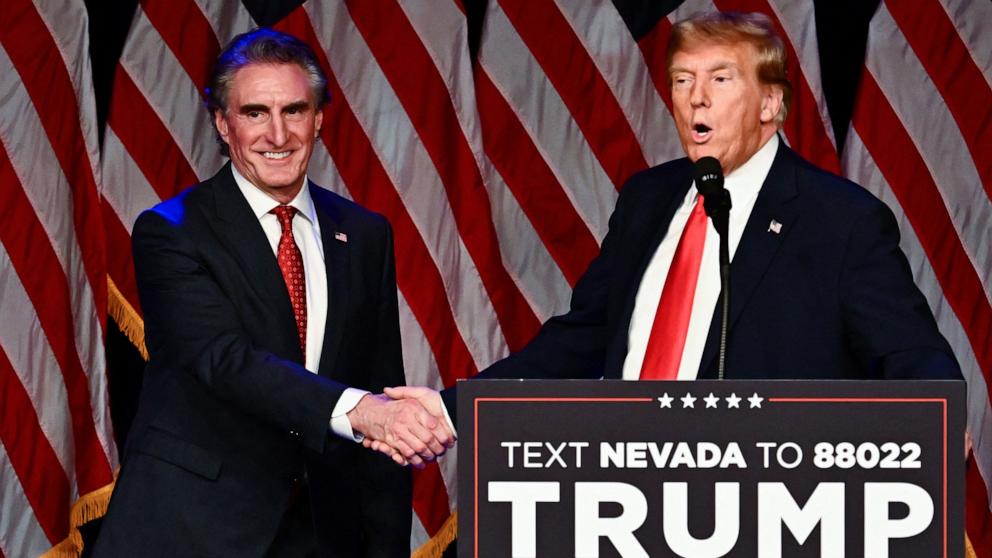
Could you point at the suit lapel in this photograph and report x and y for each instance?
(245, 239)
(758, 245)
(336, 262)
(655, 220)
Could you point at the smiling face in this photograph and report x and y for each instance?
(270, 125)
(721, 109)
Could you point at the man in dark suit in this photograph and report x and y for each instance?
(820, 286)
(270, 314)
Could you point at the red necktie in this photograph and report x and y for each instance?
(291, 265)
(671, 321)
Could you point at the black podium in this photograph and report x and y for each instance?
(711, 468)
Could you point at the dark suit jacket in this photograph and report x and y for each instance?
(229, 422)
(829, 297)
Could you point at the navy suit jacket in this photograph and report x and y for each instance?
(830, 296)
(229, 422)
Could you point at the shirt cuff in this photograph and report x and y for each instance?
(447, 418)
(340, 424)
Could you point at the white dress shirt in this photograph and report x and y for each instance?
(743, 184)
(306, 233)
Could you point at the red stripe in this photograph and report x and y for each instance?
(35, 463)
(654, 46)
(804, 127)
(896, 156)
(147, 140)
(120, 266)
(187, 33)
(41, 274)
(978, 520)
(430, 498)
(533, 183)
(37, 59)
(938, 45)
(423, 93)
(362, 171)
(585, 92)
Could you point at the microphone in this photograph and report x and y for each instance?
(716, 202)
(716, 198)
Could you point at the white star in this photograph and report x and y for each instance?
(711, 401)
(688, 401)
(666, 401)
(755, 401)
(733, 401)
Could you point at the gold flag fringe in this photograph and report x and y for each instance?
(88, 507)
(435, 547)
(969, 551)
(127, 318)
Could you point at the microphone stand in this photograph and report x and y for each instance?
(719, 210)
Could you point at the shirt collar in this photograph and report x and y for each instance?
(261, 203)
(745, 181)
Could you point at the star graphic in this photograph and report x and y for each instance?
(733, 401)
(666, 401)
(711, 401)
(755, 401)
(688, 401)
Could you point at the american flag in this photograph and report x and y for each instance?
(494, 135)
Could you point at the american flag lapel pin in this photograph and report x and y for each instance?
(775, 227)
(340, 236)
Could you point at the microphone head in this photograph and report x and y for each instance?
(708, 175)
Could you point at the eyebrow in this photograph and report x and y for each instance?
(298, 106)
(721, 65)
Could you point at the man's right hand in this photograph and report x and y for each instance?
(401, 428)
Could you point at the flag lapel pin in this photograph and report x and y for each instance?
(775, 227)
(340, 236)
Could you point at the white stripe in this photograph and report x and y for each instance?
(68, 24)
(442, 29)
(22, 534)
(543, 114)
(324, 172)
(412, 172)
(227, 18)
(128, 191)
(171, 93)
(50, 195)
(418, 534)
(690, 8)
(612, 48)
(860, 167)
(971, 18)
(27, 348)
(922, 111)
(799, 22)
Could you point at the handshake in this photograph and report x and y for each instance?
(407, 424)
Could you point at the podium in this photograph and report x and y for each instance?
(711, 468)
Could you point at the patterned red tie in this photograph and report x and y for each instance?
(291, 265)
(671, 321)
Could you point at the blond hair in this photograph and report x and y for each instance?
(731, 28)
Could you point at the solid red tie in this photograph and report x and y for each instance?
(291, 265)
(671, 321)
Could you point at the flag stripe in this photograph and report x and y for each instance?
(22, 535)
(518, 76)
(533, 183)
(183, 27)
(227, 19)
(938, 141)
(903, 168)
(408, 67)
(949, 64)
(431, 510)
(36, 57)
(37, 468)
(417, 276)
(148, 140)
(48, 290)
(172, 95)
(971, 20)
(527, 259)
(584, 91)
(977, 520)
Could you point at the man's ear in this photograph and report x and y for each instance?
(318, 120)
(221, 123)
(771, 103)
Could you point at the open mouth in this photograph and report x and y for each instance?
(276, 155)
(701, 131)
